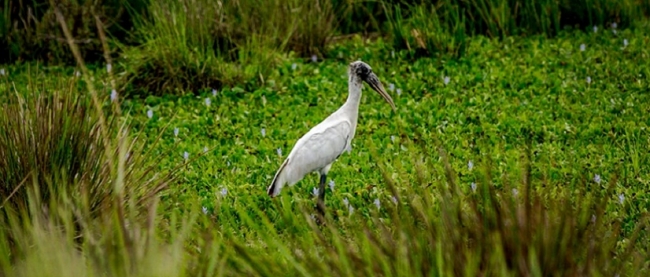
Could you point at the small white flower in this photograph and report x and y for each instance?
(614, 31)
(76, 73)
(224, 192)
(108, 67)
(625, 43)
(583, 47)
(391, 87)
(314, 191)
(588, 80)
(446, 80)
(595, 28)
(279, 150)
(205, 210)
(263, 131)
(113, 95)
(208, 102)
(150, 113)
(346, 202)
(392, 138)
(228, 163)
(394, 199)
(392, 54)
(176, 131)
(331, 184)
(214, 92)
(205, 149)
(614, 25)
(314, 58)
(186, 155)
(470, 165)
(597, 178)
(350, 209)
(2, 71)
(621, 198)
(593, 218)
(399, 91)
(515, 192)
(377, 203)
(473, 186)
(294, 66)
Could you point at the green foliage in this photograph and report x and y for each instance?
(525, 156)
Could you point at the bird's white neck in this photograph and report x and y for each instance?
(354, 93)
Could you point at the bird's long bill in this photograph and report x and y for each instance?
(375, 84)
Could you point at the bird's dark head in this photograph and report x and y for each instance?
(360, 71)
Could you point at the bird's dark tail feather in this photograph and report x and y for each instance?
(276, 184)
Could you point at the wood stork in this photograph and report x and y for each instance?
(324, 143)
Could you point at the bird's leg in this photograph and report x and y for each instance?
(320, 204)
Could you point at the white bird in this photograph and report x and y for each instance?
(324, 143)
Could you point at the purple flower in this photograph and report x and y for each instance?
(150, 113)
(224, 192)
(473, 186)
(214, 92)
(314, 58)
(588, 80)
(446, 80)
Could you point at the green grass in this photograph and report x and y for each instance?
(519, 108)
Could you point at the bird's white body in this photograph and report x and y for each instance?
(323, 144)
